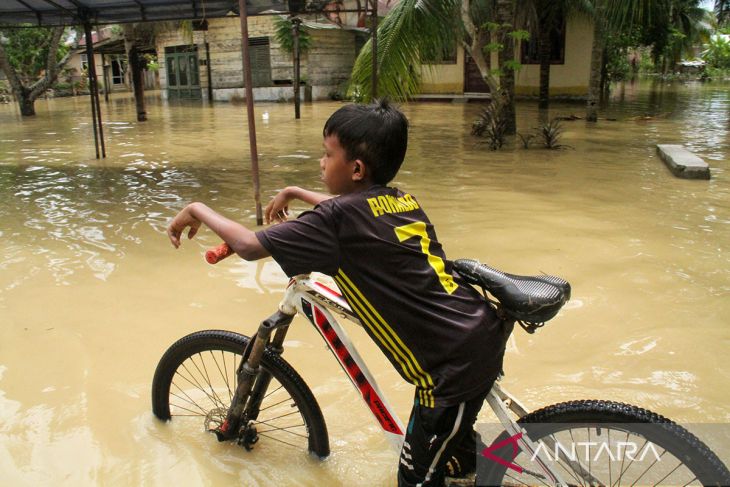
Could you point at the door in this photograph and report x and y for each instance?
(183, 77)
(473, 81)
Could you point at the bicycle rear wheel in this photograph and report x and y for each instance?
(196, 378)
(605, 443)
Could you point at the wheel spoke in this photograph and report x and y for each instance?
(213, 398)
(670, 473)
(281, 441)
(621, 468)
(284, 415)
(187, 399)
(582, 470)
(197, 378)
(273, 392)
(650, 466)
(283, 429)
(288, 399)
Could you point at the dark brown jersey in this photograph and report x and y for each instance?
(381, 249)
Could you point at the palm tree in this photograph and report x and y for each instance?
(722, 12)
(543, 17)
(416, 30)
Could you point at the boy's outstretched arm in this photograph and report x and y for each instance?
(278, 208)
(242, 240)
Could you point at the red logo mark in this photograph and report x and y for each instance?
(487, 452)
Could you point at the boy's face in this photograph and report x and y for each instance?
(339, 175)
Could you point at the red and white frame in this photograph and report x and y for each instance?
(317, 301)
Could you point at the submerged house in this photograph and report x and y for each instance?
(110, 61)
(570, 61)
(210, 67)
(208, 63)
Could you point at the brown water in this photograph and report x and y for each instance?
(92, 293)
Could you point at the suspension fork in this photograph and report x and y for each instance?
(249, 371)
(261, 385)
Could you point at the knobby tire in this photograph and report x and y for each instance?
(195, 380)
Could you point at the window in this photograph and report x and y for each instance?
(84, 62)
(447, 56)
(259, 52)
(530, 49)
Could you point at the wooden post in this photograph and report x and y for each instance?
(104, 76)
(249, 109)
(208, 69)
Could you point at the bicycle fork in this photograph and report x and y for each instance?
(252, 382)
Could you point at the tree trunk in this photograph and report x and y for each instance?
(27, 95)
(134, 62)
(505, 16)
(26, 104)
(594, 83)
(475, 48)
(544, 51)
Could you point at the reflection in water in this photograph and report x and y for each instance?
(91, 292)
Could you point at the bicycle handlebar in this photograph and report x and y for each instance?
(217, 254)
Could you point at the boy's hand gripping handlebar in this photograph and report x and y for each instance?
(217, 254)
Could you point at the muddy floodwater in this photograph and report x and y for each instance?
(92, 292)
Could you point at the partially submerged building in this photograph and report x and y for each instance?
(570, 62)
(210, 66)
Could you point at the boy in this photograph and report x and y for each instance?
(380, 247)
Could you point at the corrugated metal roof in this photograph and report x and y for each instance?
(74, 12)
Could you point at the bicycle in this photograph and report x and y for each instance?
(244, 391)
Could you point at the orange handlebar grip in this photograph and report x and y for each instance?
(216, 254)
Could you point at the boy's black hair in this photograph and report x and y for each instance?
(376, 133)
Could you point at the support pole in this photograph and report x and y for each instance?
(90, 71)
(374, 34)
(103, 76)
(295, 23)
(98, 104)
(208, 69)
(249, 109)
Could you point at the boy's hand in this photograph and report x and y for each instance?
(178, 224)
(278, 208)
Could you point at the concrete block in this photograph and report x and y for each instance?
(682, 162)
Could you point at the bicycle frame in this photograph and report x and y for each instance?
(309, 296)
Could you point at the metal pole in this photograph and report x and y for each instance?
(89, 64)
(92, 66)
(249, 109)
(374, 34)
(296, 21)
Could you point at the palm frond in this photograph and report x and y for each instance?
(412, 31)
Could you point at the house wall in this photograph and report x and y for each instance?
(568, 79)
(76, 72)
(327, 64)
(444, 78)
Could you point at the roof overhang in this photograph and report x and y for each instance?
(75, 12)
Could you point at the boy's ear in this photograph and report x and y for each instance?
(359, 170)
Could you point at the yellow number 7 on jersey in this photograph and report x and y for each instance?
(418, 229)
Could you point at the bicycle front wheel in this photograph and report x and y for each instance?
(604, 443)
(196, 377)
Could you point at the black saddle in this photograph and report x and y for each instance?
(530, 299)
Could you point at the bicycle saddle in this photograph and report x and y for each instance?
(532, 299)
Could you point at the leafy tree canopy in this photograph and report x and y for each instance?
(27, 50)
